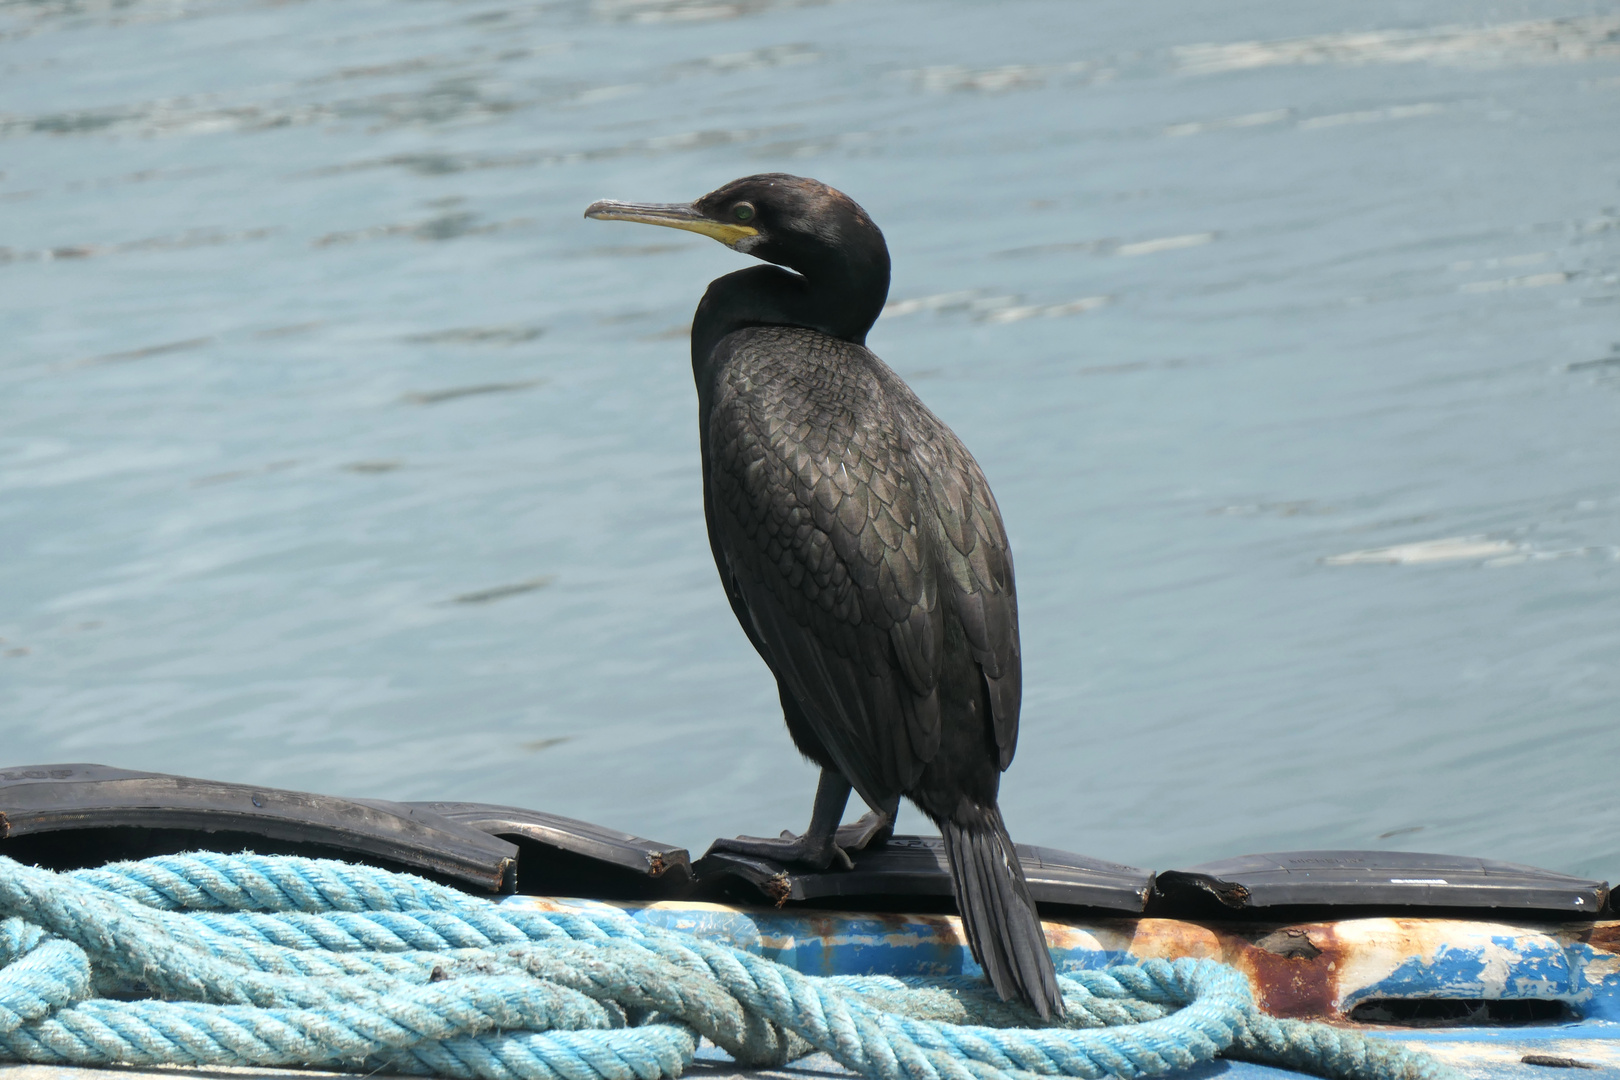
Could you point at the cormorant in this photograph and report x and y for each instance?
(861, 550)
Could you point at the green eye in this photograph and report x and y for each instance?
(743, 211)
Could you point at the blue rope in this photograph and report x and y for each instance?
(208, 959)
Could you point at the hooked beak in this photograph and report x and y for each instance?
(673, 215)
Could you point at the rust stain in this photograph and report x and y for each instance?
(1293, 969)
(891, 923)
(655, 864)
(1603, 936)
(823, 927)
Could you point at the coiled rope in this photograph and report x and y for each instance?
(209, 959)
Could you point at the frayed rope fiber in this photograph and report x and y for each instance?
(208, 959)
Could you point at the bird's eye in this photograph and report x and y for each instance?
(743, 211)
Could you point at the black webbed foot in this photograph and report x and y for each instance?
(825, 843)
(873, 830)
(789, 849)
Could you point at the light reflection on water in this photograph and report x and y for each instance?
(339, 453)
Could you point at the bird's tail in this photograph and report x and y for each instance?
(1002, 927)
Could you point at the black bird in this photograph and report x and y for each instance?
(861, 550)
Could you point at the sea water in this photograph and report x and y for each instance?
(337, 452)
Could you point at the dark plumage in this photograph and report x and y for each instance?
(861, 550)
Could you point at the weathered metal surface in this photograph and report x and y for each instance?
(1315, 970)
(1529, 1053)
(899, 943)
(1318, 970)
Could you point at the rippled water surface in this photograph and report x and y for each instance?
(337, 452)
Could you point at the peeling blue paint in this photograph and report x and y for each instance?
(1511, 968)
(1360, 960)
(840, 943)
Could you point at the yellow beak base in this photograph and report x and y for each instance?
(673, 216)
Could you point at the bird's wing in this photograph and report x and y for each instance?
(974, 549)
(815, 515)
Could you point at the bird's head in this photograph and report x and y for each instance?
(792, 221)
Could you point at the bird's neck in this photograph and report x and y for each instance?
(841, 300)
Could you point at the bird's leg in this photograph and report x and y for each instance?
(873, 830)
(817, 847)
